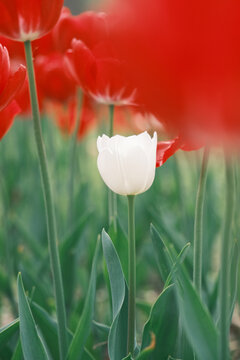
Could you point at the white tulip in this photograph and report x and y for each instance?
(127, 164)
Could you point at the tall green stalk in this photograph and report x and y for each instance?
(225, 262)
(112, 197)
(50, 213)
(132, 275)
(198, 225)
(73, 156)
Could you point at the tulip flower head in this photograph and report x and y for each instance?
(183, 58)
(10, 84)
(127, 164)
(28, 20)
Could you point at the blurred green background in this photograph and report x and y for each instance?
(169, 205)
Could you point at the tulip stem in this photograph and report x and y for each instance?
(112, 197)
(224, 287)
(73, 155)
(132, 275)
(198, 224)
(111, 119)
(49, 207)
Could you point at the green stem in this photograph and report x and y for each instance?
(198, 225)
(225, 263)
(111, 119)
(50, 214)
(73, 155)
(112, 197)
(132, 275)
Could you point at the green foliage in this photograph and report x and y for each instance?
(76, 347)
(31, 342)
(171, 319)
(117, 341)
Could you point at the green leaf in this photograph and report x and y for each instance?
(117, 340)
(87, 355)
(32, 345)
(161, 254)
(103, 328)
(120, 241)
(162, 325)
(18, 354)
(165, 254)
(48, 327)
(234, 279)
(84, 326)
(7, 332)
(197, 323)
(129, 357)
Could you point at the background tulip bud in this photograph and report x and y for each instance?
(127, 164)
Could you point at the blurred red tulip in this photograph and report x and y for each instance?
(28, 20)
(65, 115)
(7, 116)
(10, 83)
(184, 59)
(90, 27)
(102, 77)
(91, 61)
(51, 78)
(165, 149)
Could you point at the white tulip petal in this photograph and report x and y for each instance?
(109, 170)
(127, 164)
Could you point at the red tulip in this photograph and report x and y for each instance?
(7, 116)
(90, 27)
(10, 83)
(65, 115)
(28, 20)
(91, 60)
(165, 149)
(51, 78)
(99, 73)
(184, 59)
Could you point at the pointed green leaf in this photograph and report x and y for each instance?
(48, 327)
(197, 323)
(18, 354)
(129, 357)
(103, 328)
(31, 342)
(161, 254)
(234, 279)
(120, 241)
(84, 326)
(117, 340)
(162, 325)
(7, 332)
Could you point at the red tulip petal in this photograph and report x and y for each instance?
(7, 116)
(165, 149)
(14, 84)
(28, 20)
(4, 67)
(89, 27)
(84, 65)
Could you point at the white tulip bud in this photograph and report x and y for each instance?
(127, 164)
